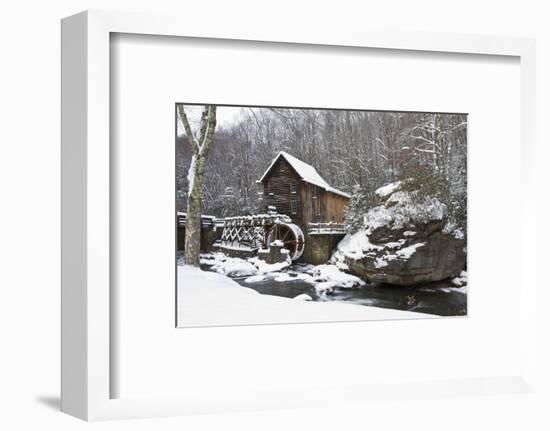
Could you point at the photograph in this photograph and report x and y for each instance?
(304, 215)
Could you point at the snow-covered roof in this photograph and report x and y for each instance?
(306, 172)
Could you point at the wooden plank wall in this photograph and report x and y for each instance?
(277, 190)
(335, 208)
(312, 204)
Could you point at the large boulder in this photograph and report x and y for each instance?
(407, 239)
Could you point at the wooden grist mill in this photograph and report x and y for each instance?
(298, 204)
(248, 234)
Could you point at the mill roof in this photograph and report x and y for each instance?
(306, 172)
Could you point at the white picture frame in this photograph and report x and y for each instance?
(86, 312)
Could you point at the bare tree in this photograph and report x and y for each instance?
(201, 148)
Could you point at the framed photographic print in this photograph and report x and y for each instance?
(389, 242)
(218, 225)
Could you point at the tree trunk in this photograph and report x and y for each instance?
(195, 177)
(194, 211)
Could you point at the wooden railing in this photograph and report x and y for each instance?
(330, 228)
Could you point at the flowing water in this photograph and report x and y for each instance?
(433, 298)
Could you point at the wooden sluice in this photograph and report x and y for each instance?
(254, 232)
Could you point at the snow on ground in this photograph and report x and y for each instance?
(206, 298)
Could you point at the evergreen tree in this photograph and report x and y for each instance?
(362, 198)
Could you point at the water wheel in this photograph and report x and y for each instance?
(291, 237)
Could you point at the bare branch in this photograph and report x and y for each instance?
(255, 118)
(286, 117)
(184, 120)
(422, 138)
(422, 150)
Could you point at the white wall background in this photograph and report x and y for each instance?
(29, 214)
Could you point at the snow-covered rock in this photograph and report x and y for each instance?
(264, 267)
(326, 278)
(405, 240)
(234, 267)
(282, 277)
(324, 287)
(255, 279)
(238, 267)
(461, 280)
